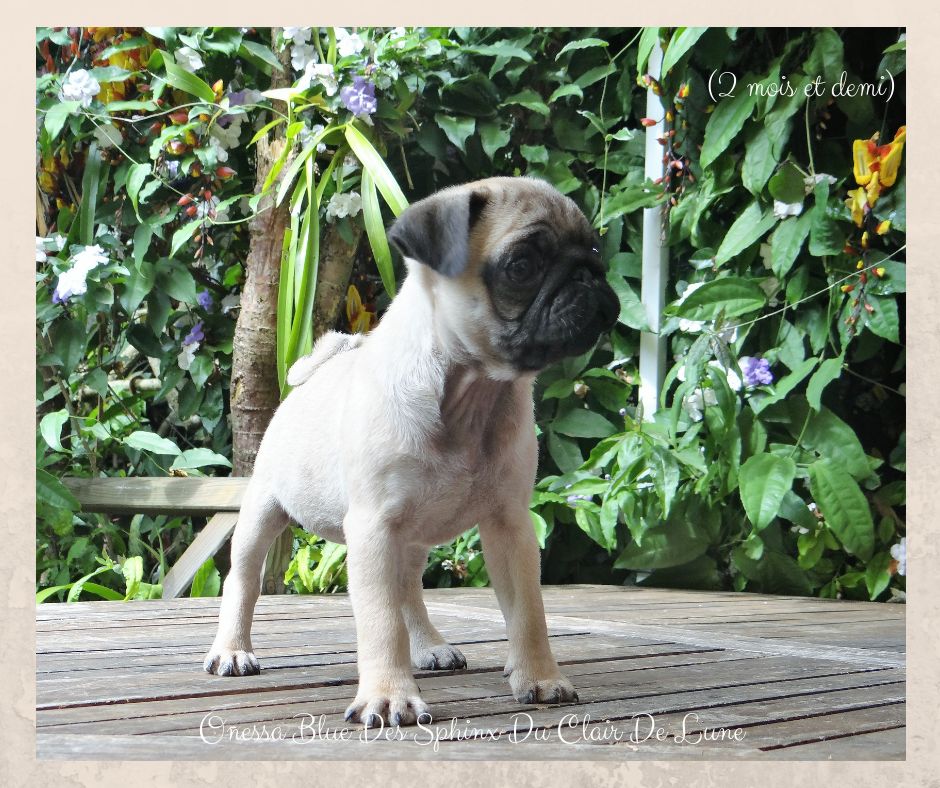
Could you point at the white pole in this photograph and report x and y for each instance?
(655, 255)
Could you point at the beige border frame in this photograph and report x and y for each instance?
(18, 765)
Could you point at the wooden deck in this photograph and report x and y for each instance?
(782, 677)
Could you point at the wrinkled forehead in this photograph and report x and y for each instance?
(533, 212)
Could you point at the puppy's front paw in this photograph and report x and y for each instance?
(388, 706)
(528, 688)
(442, 657)
(226, 662)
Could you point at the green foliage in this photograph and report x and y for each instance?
(715, 492)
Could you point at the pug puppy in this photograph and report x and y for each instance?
(403, 438)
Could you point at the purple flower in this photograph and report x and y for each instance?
(195, 335)
(205, 299)
(756, 371)
(359, 98)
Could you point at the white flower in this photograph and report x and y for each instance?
(207, 208)
(695, 403)
(73, 281)
(215, 145)
(348, 43)
(341, 205)
(298, 35)
(734, 382)
(899, 554)
(228, 136)
(350, 164)
(301, 55)
(185, 359)
(80, 86)
(40, 250)
(691, 326)
(809, 182)
(322, 73)
(230, 302)
(783, 209)
(306, 135)
(188, 58)
(108, 136)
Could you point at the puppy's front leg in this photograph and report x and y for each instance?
(512, 561)
(388, 692)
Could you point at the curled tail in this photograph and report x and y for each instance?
(327, 346)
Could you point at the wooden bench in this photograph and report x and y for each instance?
(219, 499)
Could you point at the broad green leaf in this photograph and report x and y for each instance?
(534, 154)
(206, 581)
(177, 282)
(493, 137)
(56, 116)
(785, 385)
(384, 180)
(759, 162)
(564, 451)
(665, 471)
(69, 340)
(787, 184)
(582, 423)
(669, 545)
(565, 90)
(877, 576)
(764, 480)
(632, 311)
(681, 42)
(581, 43)
(825, 236)
(730, 296)
(183, 235)
(181, 79)
(747, 229)
(133, 571)
(832, 438)
(844, 507)
(529, 99)
(135, 180)
(50, 491)
(775, 572)
(503, 49)
(139, 284)
(199, 458)
(786, 242)
(828, 371)
(375, 229)
(457, 130)
(50, 427)
(149, 441)
(252, 50)
(883, 320)
(725, 123)
(540, 527)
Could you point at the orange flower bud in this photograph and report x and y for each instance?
(191, 210)
(186, 199)
(880, 271)
(847, 288)
(883, 227)
(684, 90)
(179, 117)
(865, 239)
(224, 172)
(647, 122)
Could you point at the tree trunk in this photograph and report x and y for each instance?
(336, 263)
(254, 393)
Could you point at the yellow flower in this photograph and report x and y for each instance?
(360, 319)
(857, 205)
(883, 227)
(891, 158)
(876, 166)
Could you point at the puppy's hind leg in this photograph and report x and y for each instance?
(429, 650)
(260, 521)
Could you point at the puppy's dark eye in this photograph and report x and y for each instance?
(521, 270)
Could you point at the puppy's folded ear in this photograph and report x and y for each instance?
(436, 230)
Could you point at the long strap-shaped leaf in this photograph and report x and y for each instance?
(375, 229)
(301, 335)
(377, 168)
(285, 299)
(90, 181)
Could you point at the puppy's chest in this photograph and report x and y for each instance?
(477, 420)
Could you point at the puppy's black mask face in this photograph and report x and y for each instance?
(535, 254)
(549, 289)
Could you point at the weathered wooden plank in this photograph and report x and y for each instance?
(204, 546)
(881, 745)
(159, 495)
